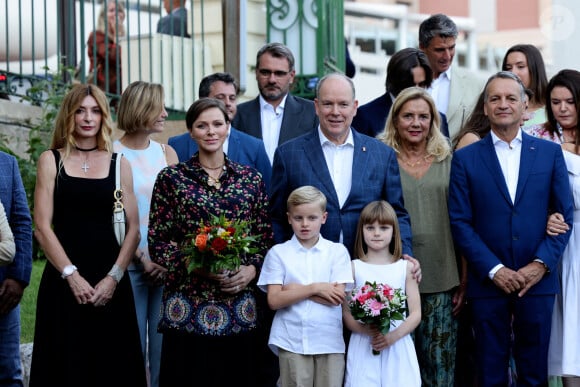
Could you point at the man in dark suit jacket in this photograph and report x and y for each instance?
(351, 169)
(284, 115)
(240, 147)
(14, 277)
(501, 191)
(407, 67)
(175, 22)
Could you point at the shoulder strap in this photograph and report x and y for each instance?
(118, 157)
(56, 155)
(164, 153)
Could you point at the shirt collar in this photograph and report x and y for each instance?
(325, 141)
(316, 247)
(517, 139)
(445, 74)
(264, 103)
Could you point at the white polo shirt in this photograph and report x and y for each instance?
(307, 327)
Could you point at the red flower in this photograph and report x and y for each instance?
(218, 244)
(231, 230)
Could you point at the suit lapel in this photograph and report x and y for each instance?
(254, 118)
(489, 159)
(315, 156)
(290, 120)
(527, 158)
(455, 95)
(233, 145)
(360, 159)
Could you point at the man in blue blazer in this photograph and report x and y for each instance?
(175, 22)
(275, 116)
(351, 169)
(239, 147)
(501, 191)
(14, 277)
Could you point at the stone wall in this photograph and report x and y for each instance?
(15, 122)
(17, 118)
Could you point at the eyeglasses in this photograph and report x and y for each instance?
(267, 73)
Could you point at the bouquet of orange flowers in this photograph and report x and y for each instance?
(218, 245)
(378, 304)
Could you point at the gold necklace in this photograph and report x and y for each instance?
(213, 168)
(214, 181)
(422, 160)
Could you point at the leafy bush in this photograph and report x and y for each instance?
(48, 93)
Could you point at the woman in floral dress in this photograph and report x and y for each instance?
(208, 320)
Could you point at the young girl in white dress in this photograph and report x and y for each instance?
(379, 248)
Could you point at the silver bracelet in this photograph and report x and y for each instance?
(116, 273)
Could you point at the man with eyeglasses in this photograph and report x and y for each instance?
(275, 116)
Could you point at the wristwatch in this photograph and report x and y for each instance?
(68, 270)
(543, 263)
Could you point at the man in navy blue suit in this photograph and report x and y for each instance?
(351, 169)
(14, 277)
(275, 116)
(501, 191)
(240, 147)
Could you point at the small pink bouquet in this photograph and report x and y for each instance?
(379, 305)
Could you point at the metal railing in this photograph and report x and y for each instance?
(42, 37)
(313, 30)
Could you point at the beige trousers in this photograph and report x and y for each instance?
(297, 370)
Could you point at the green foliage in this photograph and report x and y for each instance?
(48, 93)
(28, 303)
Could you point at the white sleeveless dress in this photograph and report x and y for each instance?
(564, 352)
(394, 366)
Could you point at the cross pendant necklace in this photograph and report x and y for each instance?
(85, 166)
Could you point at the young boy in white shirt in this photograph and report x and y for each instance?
(306, 279)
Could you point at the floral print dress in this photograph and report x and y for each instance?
(181, 199)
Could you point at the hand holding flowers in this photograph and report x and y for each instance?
(378, 305)
(218, 246)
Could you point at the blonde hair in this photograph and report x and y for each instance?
(306, 194)
(65, 120)
(119, 27)
(382, 212)
(140, 106)
(437, 144)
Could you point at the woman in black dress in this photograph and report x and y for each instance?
(86, 329)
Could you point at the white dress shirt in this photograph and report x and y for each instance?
(440, 89)
(307, 327)
(271, 124)
(508, 155)
(339, 162)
